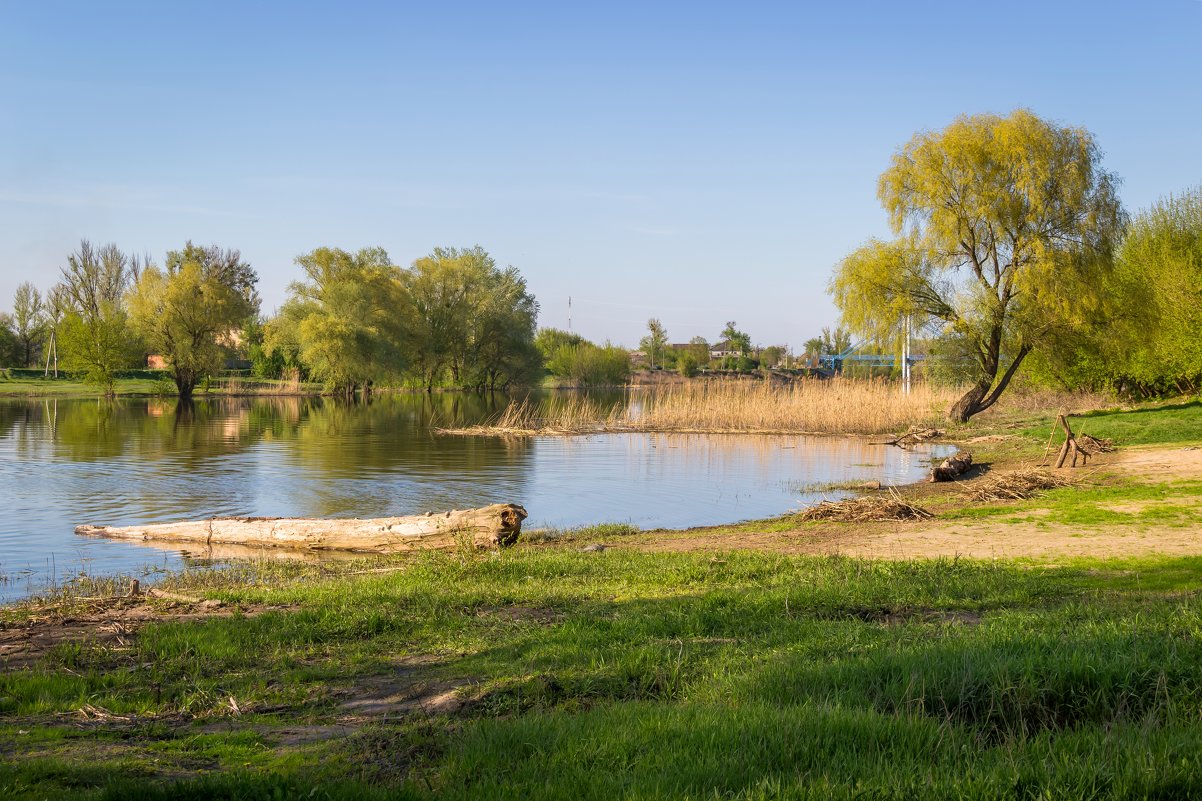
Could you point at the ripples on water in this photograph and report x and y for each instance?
(67, 462)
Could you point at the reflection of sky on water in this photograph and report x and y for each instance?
(68, 462)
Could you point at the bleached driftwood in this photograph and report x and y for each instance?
(490, 526)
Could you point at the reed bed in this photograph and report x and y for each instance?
(570, 416)
(718, 407)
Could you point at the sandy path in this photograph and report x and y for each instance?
(981, 539)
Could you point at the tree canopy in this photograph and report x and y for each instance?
(192, 311)
(29, 321)
(93, 329)
(470, 320)
(343, 323)
(1160, 268)
(654, 343)
(1148, 341)
(738, 340)
(1005, 228)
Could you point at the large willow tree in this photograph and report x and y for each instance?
(344, 323)
(1004, 228)
(192, 311)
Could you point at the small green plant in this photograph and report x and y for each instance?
(465, 545)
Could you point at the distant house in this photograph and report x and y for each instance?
(725, 348)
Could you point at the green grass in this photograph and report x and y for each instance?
(1163, 424)
(1174, 503)
(628, 675)
(42, 387)
(36, 387)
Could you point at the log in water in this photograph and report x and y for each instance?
(489, 526)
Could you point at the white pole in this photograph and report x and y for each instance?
(906, 358)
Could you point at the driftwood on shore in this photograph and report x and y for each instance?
(490, 526)
(953, 467)
(1080, 446)
(913, 437)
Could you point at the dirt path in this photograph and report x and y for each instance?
(980, 539)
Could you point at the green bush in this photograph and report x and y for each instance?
(590, 365)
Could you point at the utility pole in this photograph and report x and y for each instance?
(52, 349)
(569, 313)
(906, 358)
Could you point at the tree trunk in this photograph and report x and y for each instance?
(980, 398)
(970, 404)
(185, 383)
(499, 524)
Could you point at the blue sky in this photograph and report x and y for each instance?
(695, 162)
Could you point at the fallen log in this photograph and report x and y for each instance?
(490, 526)
(953, 467)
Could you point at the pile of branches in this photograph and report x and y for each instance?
(866, 509)
(1092, 445)
(1016, 485)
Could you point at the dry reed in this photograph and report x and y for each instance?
(810, 406)
(868, 508)
(563, 417)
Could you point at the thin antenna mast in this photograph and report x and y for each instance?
(569, 313)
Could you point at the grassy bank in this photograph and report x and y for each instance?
(554, 673)
(148, 385)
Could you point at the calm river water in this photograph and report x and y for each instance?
(67, 462)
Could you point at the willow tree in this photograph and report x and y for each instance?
(192, 311)
(1160, 280)
(470, 323)
(1005, 228)
(344, 323)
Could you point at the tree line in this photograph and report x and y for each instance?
(452, 318)
(1010, 243)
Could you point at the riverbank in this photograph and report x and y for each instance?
(607, 662)
(148, 385)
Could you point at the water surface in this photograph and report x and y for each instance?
(67, 462)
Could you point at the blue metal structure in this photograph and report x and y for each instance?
(834, 362)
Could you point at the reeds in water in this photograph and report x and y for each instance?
(810, 406)
(576, 414)
(835, 406)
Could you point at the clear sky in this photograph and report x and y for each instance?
(694, 162)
